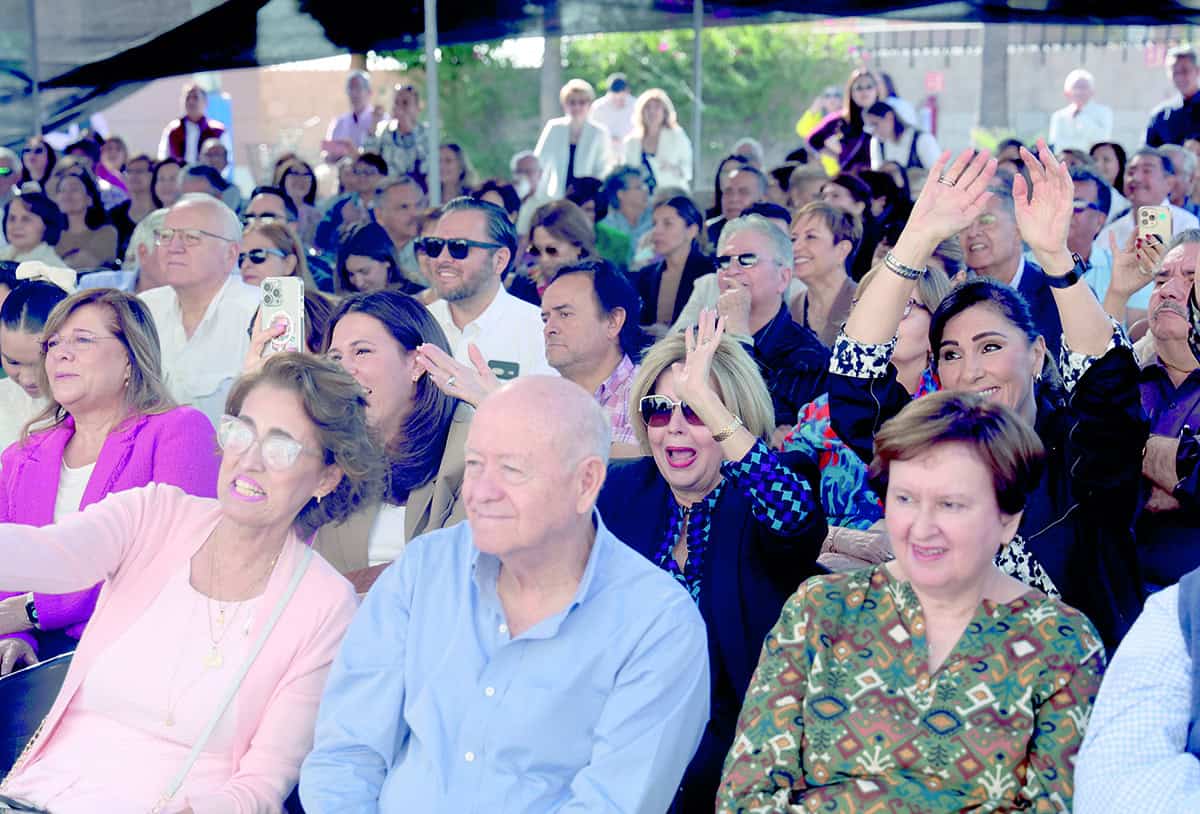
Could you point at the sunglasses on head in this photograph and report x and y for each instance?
(657, 411)
(459, 247)
(747, 260)
(259, 256)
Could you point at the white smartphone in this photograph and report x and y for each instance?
(283, 296)
(1155, 220)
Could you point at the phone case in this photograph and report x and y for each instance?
(283, 296)
(1155, 220)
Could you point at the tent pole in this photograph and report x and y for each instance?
(35, 101)
(697, 89)
(433, 178)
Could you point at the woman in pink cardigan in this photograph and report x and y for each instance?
(195, 686)
(112, 427)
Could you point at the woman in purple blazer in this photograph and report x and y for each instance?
(110, 426)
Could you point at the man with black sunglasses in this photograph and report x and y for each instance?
(471, 248)
(754, 267)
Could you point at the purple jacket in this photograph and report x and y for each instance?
(178, 447)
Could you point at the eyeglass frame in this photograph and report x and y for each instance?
(166, 236)
(649, 401)
(422, 243)
(248, 254)
(725, 261)
(289, 442)
(72, 344)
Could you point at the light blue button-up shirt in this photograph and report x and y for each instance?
(432, 706)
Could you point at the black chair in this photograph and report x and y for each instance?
(25, 698)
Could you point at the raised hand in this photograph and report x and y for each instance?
(260, 339)
(693, 376)
(468, 383)
(1044, 218)
(1133, 264)
(953, 197)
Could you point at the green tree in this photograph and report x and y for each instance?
(757, 82)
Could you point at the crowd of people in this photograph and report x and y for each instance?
(871, 486)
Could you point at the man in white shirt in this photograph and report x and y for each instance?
(614, 110)
(204, 311)
(1147, 183)
(348, 132)
(475, 245)
(1083, 122)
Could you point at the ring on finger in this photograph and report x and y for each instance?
(945, 181)
(450, 381)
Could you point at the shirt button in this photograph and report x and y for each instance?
(469, 757)
(489, 692)
(503, 628)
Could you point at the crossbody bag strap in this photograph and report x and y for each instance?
(236, 683)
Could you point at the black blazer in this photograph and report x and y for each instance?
(749, 573)
(1042, 307)
(649, 282)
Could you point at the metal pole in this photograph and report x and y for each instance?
(434, 178)
(697, 92)
(34, 71)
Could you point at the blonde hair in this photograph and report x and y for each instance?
(131, 323)
(576, 86)
(284, 238)
(932, 286)
(653, 95)
(736, 377)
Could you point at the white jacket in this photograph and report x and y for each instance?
(672, 163)
(592, 155)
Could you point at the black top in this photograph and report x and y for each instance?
(793, 362)
(749, 573)
(1174, 122)
(571, 165)
(649, 282)
(1079, 520)
(119, 217)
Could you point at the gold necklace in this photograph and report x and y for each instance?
(214, 660)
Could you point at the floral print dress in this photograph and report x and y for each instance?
(843, 714)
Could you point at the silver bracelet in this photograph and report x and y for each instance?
(896, 267)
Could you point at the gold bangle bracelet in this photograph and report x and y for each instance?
(725, 434)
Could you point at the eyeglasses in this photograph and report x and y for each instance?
(657, 410)
(77, 345)
(1083, 206)
(459, 247)
(365, 171)
(985, 220)
(6, 171)
(191, 237)
(259, 256)
(279, 452)
(747, 260)
(39, 150)
(549, 251)
(265, 217)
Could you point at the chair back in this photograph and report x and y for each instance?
(25, 699)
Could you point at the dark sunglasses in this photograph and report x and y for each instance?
(6, 171)
(1083, 206)
(657, 411)
(747, 261)
(549, 251)
(459, 247)
(34, 150)
(259, 256)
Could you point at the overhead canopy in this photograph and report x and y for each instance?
(93, 53)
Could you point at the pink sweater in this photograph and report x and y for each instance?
(136, 540)
(178, 447)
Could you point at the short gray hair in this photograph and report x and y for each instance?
(521, 156)
(1181, 51)
(393, 181)
(231, 225)
(755, 147)
(1076, 75)
(1184, 238)
(363, 75)
(781, 244)
(143, 235)
(1183, 160)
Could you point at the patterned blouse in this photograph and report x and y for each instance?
(843, 714)
(779, 499)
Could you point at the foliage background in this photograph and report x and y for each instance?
(757, 82)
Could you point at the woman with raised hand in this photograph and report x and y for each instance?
(737, 524)
(195, 686)
(1075, 537)
(109, 426)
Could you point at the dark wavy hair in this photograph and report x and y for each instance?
(51, 160)
(613, 290)
(28, 307)
(1122, 160)
(157, 168)
(95, 216)
(1009, 304)
(38, 203)
(336, 405)
(415, 451)
(366, 240)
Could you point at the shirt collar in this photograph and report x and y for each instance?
(486, 570)
(1016, 280)
(623, 371)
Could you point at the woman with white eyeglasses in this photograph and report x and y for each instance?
(737, 524)
(109, 425)
(195, 686)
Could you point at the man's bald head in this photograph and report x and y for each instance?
(555, 412)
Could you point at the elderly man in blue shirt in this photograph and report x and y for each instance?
(523, 661)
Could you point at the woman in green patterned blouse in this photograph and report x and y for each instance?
(935, 682)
